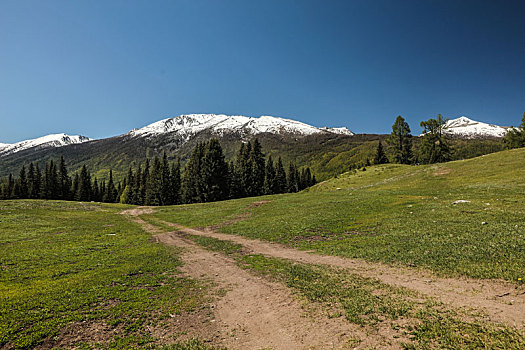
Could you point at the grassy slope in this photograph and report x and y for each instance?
(65, 263)
(397, 214)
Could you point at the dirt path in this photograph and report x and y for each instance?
(500, 301)
(257, 314)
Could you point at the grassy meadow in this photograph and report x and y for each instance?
(397, 214)
(82, 274)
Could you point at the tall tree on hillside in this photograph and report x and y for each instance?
(64, 181)
(110, 194)
(23, 190)
(37, 184)
(96, 196)
(244, 169)
(380, 157)
(84, 185)
(214, 172)
(175, 183)
(256, 160)
(144, 182)
(269, 178)
(515, 137)
(166, 195)
(51, 188)
(191, 179)
(31, 181)
(293, 184)
(135, 197)
(434, 147)
(281, 185)
(400, 142)
(154, 185)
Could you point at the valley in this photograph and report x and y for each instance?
(391, 256)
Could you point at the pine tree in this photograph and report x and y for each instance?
(23, 190)
(135, 194)
(214, 172)
(30, 180)
(269, 178)
(166, 196)
(257, 163)
(154, 184)
(234, 181)
(175, 183)
(64, 182)
(110, 195)
(434, 146)
(9, 187)
(515, 137)
(400, 142)
(128, 192)
(280, 177)
(243, 167)
(293, 185)
(96, 191)
(84, 186)
(51, 189)
(191, 179)
(37, 184)
(380, 157)
(144, 182)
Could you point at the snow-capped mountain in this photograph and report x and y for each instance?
(53, 140)
(219, 124)
(469, 128)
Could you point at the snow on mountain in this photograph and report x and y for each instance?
(220, 124)
(340, 130)
(53, 140)
(469, 128)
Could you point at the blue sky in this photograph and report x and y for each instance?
(101, 68)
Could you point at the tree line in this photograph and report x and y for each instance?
(206, 177)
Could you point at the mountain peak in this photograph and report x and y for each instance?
(220, 124)
(466, 127)
(52, 140)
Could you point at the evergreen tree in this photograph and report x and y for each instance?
(129, 188)
(257, 163)
(293, 185)
(75, 186)
(154, 184)
(135, 196)
(400, 142)
(380, 157)
(234, 181)
(144, 183)
(192, 180)
(84, 185)
(30, 180)
(269, 178)
(280, 177)
(244, 170)
(110, 194)
(9, 187)
(175, 183)
(214, 172)
(51, 188)
(434, 146)
(23, 191)
(96, 191)
(515, 137)
(166, 195)
(37, 184)
(63, 181)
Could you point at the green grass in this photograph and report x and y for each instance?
(398, 215)
(65, 263)
(369, 303)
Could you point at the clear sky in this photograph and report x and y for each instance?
(100, 68)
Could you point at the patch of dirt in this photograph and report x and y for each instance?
(441, 171)
(138, 211)
(499, 300)
(256, 313)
